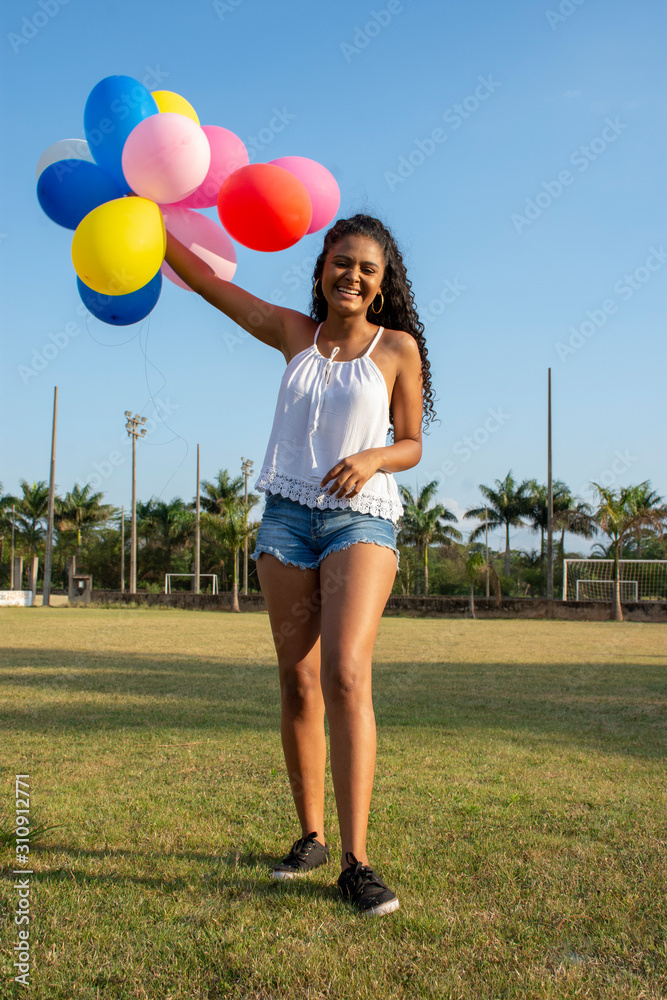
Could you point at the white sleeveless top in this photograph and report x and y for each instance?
(327, 410)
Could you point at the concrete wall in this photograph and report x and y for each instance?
(182, 599)
(16, 598)
(451, 607)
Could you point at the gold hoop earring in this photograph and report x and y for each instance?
(376, 311)
(315, 295)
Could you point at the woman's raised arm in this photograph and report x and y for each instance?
(267, 322)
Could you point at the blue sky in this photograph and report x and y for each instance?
(516, 150)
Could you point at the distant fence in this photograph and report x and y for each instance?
(452, 607)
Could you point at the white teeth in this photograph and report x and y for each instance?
(348, 291)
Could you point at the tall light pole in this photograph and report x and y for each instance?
(247, 470)
(197, 534)
(122, 549)
(550, 502)
(46, 591)
(131, 425)
(11, 568)
(486, 534)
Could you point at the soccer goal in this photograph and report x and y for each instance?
(168, 578)
(593, 579)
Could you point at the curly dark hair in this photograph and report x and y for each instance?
(399, 311)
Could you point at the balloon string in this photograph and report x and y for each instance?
(145, 325)
(117, 343)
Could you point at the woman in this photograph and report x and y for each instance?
(326, 549)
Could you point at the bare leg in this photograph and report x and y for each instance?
(350, 617)
(295, 622)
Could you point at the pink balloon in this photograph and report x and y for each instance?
(166, 157)
(319, 183)
(204, 237)
(227, 154)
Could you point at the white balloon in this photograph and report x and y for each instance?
(64, 149)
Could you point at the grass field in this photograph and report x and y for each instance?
(519, 812)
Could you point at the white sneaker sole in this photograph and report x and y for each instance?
(382, 909)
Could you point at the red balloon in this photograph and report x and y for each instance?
(264, 207)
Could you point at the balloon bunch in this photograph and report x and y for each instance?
(145, 168)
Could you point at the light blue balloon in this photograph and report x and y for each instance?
(122, 310)
(114, 106)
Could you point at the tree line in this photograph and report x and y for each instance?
(90, 530)
(435, 557)
(632, 519)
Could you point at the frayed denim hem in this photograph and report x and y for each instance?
(334, 548)
(281, 558)
(365, 541)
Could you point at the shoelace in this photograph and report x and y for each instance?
(360, 875)
(301, 849)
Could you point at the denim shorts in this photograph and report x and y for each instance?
(302, 536)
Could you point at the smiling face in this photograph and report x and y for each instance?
(352, 275)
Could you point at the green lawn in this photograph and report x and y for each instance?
(519, 812)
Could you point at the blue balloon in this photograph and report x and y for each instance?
(114, 106)
(68, 190)
(122, 310)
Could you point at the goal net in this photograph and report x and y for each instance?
(593, 579)
(168, 577)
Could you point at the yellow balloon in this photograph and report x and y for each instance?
(167, 100)
(119, 246)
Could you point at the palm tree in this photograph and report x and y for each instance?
(476, 569)
(6, 502)
(166, 527)
(422, 526)
(228, 530)
(539, 508)
(31, 510)
(81, 510)
(505, 506)
(600, 551)
(220, 489)
(577, 518)
(622, 514)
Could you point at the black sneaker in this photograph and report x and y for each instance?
(305, 855)
(365, 889)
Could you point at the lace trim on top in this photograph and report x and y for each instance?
(312, 495)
